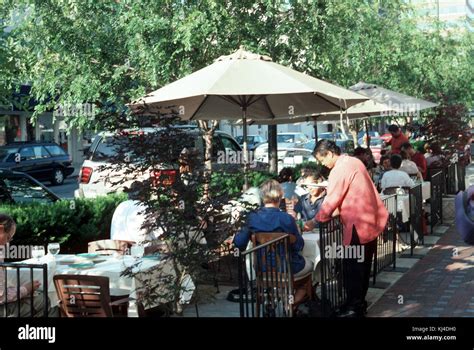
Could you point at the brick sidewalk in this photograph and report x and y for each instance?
(439, 285)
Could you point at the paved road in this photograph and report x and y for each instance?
(66, 190)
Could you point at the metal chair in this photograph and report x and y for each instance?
(274, 281)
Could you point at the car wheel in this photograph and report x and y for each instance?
(58, 177)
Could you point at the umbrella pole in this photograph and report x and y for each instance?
(315, 131)
(246, 155)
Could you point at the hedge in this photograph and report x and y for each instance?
(72, 223)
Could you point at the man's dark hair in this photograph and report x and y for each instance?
(313, 173)
(406, 146)
(395, 161)
(393, 128)
(324, 146)
(286, 174)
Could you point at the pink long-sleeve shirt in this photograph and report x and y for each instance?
(352, 191)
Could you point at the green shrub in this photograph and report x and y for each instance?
(72, 223)
(232, 183)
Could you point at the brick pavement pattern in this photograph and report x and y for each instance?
(440, 285)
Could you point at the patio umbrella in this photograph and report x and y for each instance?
(243, 85)
(383, 102)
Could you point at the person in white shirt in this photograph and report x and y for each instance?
(129, 218)
(396, 177)
(409, 166)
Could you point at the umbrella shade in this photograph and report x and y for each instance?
(395, 101)
(358, 111)
(247, 81)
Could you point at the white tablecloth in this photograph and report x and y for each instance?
(312, 251)
(403, 206)
(426, 190)
(111, 268)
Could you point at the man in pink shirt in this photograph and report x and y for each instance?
(352, 194)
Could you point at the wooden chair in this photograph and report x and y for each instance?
(263, 277)
(109, 247)
(85, 296)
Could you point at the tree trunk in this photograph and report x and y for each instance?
(208, 133)
(272, 148)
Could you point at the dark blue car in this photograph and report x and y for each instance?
(43, 161)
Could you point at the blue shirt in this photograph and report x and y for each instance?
(273, 220)
(307, 209)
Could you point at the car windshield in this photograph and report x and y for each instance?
(250, 139)
(286, 138)
(23, 190)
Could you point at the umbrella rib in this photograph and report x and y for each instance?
(272, 115)
(325, 99)
(199, 107)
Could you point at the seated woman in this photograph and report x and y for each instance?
(8, 300)
(309, 204)
(271, 219)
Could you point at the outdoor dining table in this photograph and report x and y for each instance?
(108, 266)
(426, 190)
(312, 251)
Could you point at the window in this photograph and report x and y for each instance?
(40, 152)
(27, 153)
(229, 144)
(23, 190)
(55, 150)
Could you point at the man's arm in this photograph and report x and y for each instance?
(338, 186)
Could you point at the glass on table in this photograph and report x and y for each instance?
(37, 252)
(54, 248)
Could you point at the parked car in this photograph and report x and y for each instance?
(386, 137)
(98, 177)
(44, 161)
(332, 136)
(296, 138)
(252, 141)
(346, 146)
(17, 188)
(371, 134)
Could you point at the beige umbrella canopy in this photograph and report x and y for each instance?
(358, 111)
(246, 84)
(395, 101)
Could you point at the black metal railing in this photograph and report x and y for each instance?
(14, 275)
(333, 291)
(386, 252)
(442, 183)
(451, 178)
(436, 200)
(416, 217)
(461, 175)
(265, 280)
